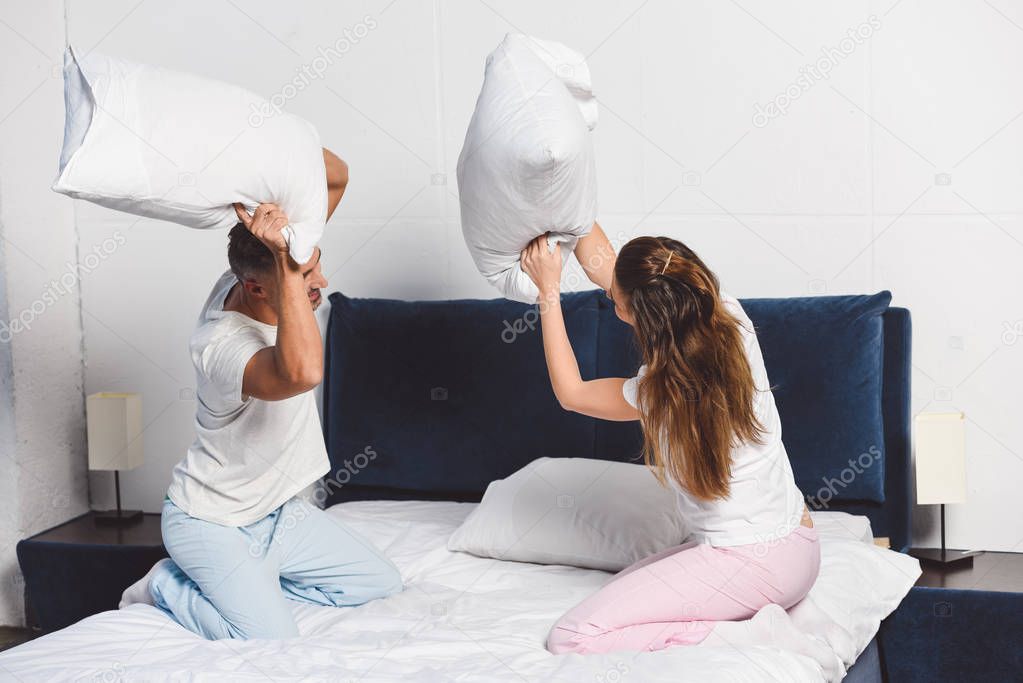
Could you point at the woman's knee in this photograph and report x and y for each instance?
(571, 635)
(561, 641)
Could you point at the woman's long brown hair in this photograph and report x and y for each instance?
(696, 398)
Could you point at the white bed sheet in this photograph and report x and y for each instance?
(464, 618)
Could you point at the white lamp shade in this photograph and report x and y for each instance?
(940, 458)
(114, 424)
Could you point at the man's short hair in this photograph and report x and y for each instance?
(249, 258)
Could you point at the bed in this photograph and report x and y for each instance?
(452, 395)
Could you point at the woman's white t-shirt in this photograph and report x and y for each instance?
(249, 456)
(764, 503)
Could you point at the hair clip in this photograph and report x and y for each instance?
(670, 254)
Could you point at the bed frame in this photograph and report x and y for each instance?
(447, 396)
(450, 395)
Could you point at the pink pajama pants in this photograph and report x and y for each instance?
(676, 596)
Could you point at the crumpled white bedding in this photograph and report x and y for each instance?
(465, 618)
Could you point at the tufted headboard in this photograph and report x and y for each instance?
(435, 399)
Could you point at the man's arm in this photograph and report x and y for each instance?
(294, 364)
(337, 179)
(597, 257)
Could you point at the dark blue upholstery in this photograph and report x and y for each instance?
(454, 394)
(446, 396)
(867, 667)
(617, 356)
(825, 362)
(944, 634)
(892, 517)
(94, 575)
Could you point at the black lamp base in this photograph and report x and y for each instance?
(117, 517)
(945, 556)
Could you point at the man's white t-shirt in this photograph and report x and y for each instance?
(764, 503)
(249, 456)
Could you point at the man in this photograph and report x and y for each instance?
(241, 544)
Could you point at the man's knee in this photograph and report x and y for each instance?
(263, 616)
(271, 629)
(379, 581)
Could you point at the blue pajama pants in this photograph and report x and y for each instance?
(238, 582)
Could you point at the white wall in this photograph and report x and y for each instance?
(42, 429)
(840, 194)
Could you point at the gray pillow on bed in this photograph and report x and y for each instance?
(597, 514)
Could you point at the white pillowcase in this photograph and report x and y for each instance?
(842, 525)
(178, 147)
(580, 512)
(859, 584)
(527, 164)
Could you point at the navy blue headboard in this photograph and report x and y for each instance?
(442, 397)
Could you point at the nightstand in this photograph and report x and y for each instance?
(959, 623)
(80, 568)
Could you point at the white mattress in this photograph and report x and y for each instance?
(464, 618)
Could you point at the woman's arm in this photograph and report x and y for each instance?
(597, 257)
(601, 398)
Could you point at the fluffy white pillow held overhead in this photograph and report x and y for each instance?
(173, 146)
(527, 164)
(579, 512)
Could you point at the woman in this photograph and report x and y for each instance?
(711, 431)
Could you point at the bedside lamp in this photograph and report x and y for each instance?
(941, 475)
(114, 423)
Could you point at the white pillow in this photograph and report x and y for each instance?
(527, 164)
(573, 511)
(842, 525)
(177, 147)
(859, 584)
